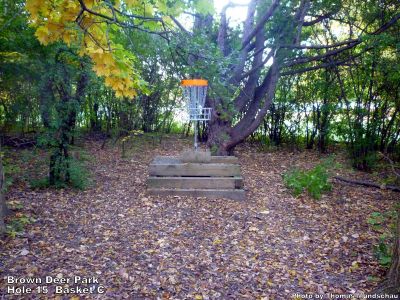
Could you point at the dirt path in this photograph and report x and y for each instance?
(142, 247)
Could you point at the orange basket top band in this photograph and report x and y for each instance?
(194, 82)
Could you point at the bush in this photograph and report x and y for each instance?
(314, 181)
(79, 176)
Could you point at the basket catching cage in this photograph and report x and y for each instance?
(195, 91)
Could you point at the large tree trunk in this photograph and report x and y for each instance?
(223, 137)
(218, 136)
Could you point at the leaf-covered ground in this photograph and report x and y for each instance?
(144, 247)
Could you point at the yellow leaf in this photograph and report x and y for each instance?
(131, 94)
(108, 59)
(89, 3)
(98, 69)
(354, 266)
(217, 242)
(33, 7)
(54, 27)
(42, 34)
(68, 37)
(119, 94)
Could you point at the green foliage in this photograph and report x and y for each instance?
(10, 172)
(79, 175)
(175, 128)
(314, 181)
(363, 154)
(204, 6)
(376, 219)
(384, 223)
(214, 149)
(356, 105)
(17, 225)
(39, 183)
(383, 253)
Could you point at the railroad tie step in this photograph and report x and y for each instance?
(234, 194)
(195, 182)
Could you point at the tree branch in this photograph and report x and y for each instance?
(180, 26)
(391, 165)
(318, 19)
(248, 24)
(320, 66)
(264, 19)
(368, 183)
(304, 6)
(303, 60)
(319, 47)
(350, 44)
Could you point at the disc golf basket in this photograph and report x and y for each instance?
(194, 92)
(196, 173)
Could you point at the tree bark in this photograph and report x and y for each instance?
(219, 135)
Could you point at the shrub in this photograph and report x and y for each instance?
(79, 176)
(314, 181)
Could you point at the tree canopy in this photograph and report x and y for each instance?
(93, 28)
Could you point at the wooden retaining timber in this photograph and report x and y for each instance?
(229, 194)
(218, 177)
(195, 182)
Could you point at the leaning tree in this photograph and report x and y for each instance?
(278, 38)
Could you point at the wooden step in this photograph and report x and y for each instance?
(236, 194)
(195, 182)
(214, 160)
(194, 169)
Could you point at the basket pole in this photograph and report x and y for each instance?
(195, 135)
